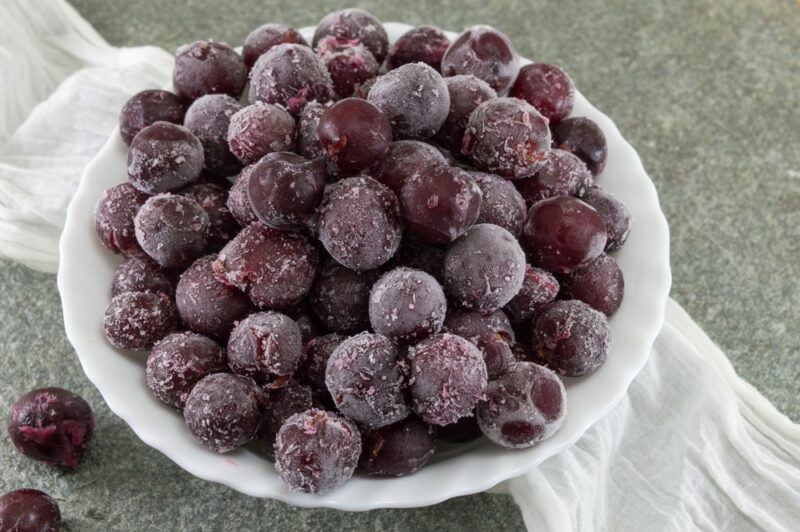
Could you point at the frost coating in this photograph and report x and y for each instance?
(266, 347)
(164, 157)
(485, 53)
(356, 26)
(113, 218)
(208, 118)
(563, 174)
(502, 204)
(172, 230)
(259, 129)
(137, 320)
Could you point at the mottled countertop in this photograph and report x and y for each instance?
(708, 92)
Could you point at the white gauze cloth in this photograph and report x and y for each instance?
(690, 447)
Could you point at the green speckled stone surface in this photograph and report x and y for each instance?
(707, 91)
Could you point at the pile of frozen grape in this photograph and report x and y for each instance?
(345, 250)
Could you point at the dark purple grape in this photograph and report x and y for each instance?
(239, 201)
(502, 204)
(224, 411)
(355, 26)
(508, 137)
(208, 118)
(213, 199)
(525, 405)
(585, 139)
(265, 37)
(429, 259)
(207, 306)
(563, 233)
(484, 268)
(539, 288)
(414, 98)
(599, 284)
(172, 230)
(404, 159)
(466, 93)
(29, 510)
(440, 203)
(485, 53)
(464, 430)
(546, 87)
(290, 75)
(447, 378)
(260, 129)
(266, 347)
(491, 333)
(571, 338)
(359, 223)
(340, 297)
(423, 44)
(365, 377)
(316, 353)
(308, 323)
(615, 215)
(148, 107)
(178, 362)
(141, 274)
(208, 67)
(562, 175)
(285, 402)
(275, 268)
(355, 134)
(51, 425)
(308, 144)
(285, 189)
(113, 218)
(316, 451)
(137, 320)
(164, 157)
(399, 449)
(407, 305)
(349, 65)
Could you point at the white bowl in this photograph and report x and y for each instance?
(84, 279)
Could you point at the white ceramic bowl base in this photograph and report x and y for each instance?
(84, 280)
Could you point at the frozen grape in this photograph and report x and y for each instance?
(239, 201)
(209, 118)
(365, 377)
(113, 218)
(340, 297)
(562, 175)
(137, 320)
(466, 93)
(29, 510)
(349, 65)
(404, 159)
(599, 284)
(260, 129)
(316, 353)
(148, 107)
(399, 449)
(355, 26)
(355, 134)
(208, 67)
(502, 204)
(213, 199)
(491, 333)
(429, 259)
(172, 230)
(584, 138)
(308, 143)
(423, 44)
(267, 347)
(265, 37)
(164, 157)
(546, 87)
(615, 215)
(539, 288)
(178, 362)
(141, 274)
(285, 402)
(485, 53)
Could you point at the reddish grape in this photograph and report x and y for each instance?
(571, 338)
(365, 377)
(316, 353)
(340, 297)
(208, 67)
(584, 138)
(141, 274)
(355, 134)
(440, 203)
(137, 320)
(404, 159)
(485, 53)
(29, 510)
(113, 218)
(464, 430)
(491, 333)
(51, 425)
(308, 143)
(164, 157)
(239, 201)
(290, 75)
(539, 288)
(546, 87)
(266, 347)
(265, 37)
(423, 44)
(508, 137)
(208, 118)
(615, 215)
(525, 405)
(407, 305)
(260, 129)
(316, 451)
(355, 26)
(414, 98)
(466, 93)
(502, 204)
(447, 378)
(563, 233)
(148, 107)
(562, 175)
(213, 199)
(178, 362)
(349, 65)
(484, 268)
(224, 411)
(285, 402)
(359, 223)
(275, 268)
(172, 230)
(599, 284)
(285, 189)
(399, 449)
